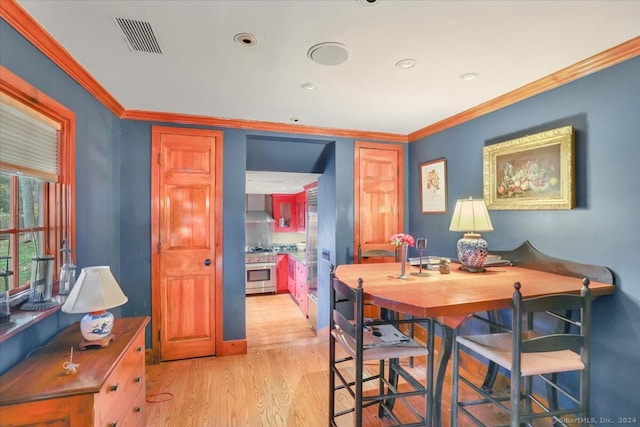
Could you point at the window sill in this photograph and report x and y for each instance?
(24, 319)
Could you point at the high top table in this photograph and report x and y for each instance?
(452, 298)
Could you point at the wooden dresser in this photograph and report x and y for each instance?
(107, 390)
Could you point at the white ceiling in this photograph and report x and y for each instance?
(278, 182)
(203, 71)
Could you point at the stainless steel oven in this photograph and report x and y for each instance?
(260, 271)
(261, 277)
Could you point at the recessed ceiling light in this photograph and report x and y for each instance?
(469, 76)
(308, 86)
(245, 39)
(328, 53)
(406, 64)
(369, 3)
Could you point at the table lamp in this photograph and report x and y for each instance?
(95, 291)
(471, 216)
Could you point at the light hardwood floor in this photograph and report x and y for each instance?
(282, 381)
(273, 320)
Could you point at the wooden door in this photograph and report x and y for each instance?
(186, 242)
(378, 194)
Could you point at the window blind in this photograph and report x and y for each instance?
(28, 141)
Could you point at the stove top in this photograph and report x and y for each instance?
(258, 249)
(254, 255)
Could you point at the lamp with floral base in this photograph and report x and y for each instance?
(95, 291)
(471, 216)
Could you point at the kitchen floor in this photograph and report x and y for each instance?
(273, 320)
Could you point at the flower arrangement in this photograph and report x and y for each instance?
(403, 241)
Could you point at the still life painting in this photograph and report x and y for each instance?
(533, 172)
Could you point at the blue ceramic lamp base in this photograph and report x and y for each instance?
(472, 253)
(96, 329)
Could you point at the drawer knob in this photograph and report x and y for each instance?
(137, 379)
(115, 387)
(137, 409)
(113, 424)
(139, 349)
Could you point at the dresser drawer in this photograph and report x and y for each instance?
(122, 407)
(136, 415)
(122, 386)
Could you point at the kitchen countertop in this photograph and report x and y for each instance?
(300, 256)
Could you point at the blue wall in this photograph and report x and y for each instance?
(604, 109)
(97, 177)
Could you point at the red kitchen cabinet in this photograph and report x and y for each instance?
(284, 212)
(302, 288)
(283, 274)
(291, 279)
(301, 210)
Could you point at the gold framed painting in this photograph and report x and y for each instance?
(433, 186)
(535, 172)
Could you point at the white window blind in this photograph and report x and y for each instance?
(28, 141)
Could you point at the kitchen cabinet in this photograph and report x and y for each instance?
(291, 278)
(284, 212)
(301, 210)
(302, 288)
(283, 274)
(297, 284)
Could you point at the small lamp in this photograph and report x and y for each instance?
(471, 216)
(95, 291)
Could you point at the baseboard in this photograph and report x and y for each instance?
(324, 332)
(148, 356)
(232, 348)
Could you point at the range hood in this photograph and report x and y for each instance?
(258, 217)
(258, 229)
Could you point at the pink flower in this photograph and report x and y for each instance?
(402, 239)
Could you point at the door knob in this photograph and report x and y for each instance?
(207, 262)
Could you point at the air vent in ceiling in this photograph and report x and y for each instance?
(139, 35)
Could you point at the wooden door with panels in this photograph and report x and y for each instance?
(186, 194)
(378, 196)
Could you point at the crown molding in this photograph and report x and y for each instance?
(617, 54)
(259, 125)
(23, 23)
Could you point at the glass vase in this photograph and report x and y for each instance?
(404, 250)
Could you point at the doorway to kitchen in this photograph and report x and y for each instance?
(271, 164)
(280, 257)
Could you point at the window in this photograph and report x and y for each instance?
(36, 179)
(22, 226)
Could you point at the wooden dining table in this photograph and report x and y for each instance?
(452, 298)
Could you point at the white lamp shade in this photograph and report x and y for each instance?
(95, 290)
(470, 215)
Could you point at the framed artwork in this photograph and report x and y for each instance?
(535, 172)
(433, 186)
